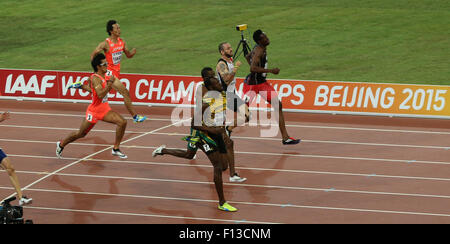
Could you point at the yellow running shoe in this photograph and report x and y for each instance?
(227, 207)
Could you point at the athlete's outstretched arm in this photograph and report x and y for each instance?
(102, 47)
(129, 53)
(97, 84)
(227, 75)
(254, 66)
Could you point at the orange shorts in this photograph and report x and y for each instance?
(96, 113)
(112, 72)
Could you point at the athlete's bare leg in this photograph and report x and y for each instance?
(230, 153)
(216, 160)
(82, 132)
(281, 123)
(9, 168)
(120, 88)
(117, 119)
(187, 154)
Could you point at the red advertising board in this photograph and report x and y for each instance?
(306, 96)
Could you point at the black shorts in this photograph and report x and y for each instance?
(234, 101)
(209, 147)
(2, 155)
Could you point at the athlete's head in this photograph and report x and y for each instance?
(99, 61)
(112, 27)
(225, 49)
(207, 72)
(209, 79)
(261, 38)
(213, 84)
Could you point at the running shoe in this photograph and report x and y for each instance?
(227, 207)
(158, 151)
(139, 119)
(25, 200)
(76, 85)
(228, 131)
(117, 152)
(291, 141)
(237, 178)
(59, 149)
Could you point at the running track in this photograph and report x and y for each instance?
(347, 169)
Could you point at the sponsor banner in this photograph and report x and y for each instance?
(296, 95)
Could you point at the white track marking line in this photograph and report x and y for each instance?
(242, 185)
(248, 138)
(148, 215)
(237, 202)
(76, 115)
(91, 155)
(241, 168)
(300, 126)
(262, 153)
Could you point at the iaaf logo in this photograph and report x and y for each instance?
(50, 85)
(38, 87)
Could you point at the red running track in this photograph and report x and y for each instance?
(347, 169)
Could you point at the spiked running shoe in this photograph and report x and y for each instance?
(158, 151)
(237, 178)
(25, 200)
(227, 207)
(59, 149)
(117, 152)
(291, 141)
(139, 119)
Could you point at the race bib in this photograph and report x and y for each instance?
(89, 117)
(116, 57)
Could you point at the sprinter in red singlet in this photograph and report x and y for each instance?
(255, 83)
(99, 109)
(113, 48)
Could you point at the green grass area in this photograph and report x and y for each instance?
(402, 41)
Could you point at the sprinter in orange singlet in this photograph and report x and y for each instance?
(113, 48)
(99, 109)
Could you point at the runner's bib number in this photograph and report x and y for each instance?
(89, 117)
(116, 57)
(207, 147)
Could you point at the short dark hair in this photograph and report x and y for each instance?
(205, 71)
(221, 46)
(97, 61)
(206, 76)
(109, 26)
(257, 35)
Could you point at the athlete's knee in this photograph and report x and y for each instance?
(225, 166)
(122, 122)
(80, 134)
(9, 168)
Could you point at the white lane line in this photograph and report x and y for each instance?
(414, 161)
(242, 185)
(247, 138)
(80, 115)
(169, 164)
(247, 203)
(148, 215)
(91, 155)
(299, 126)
